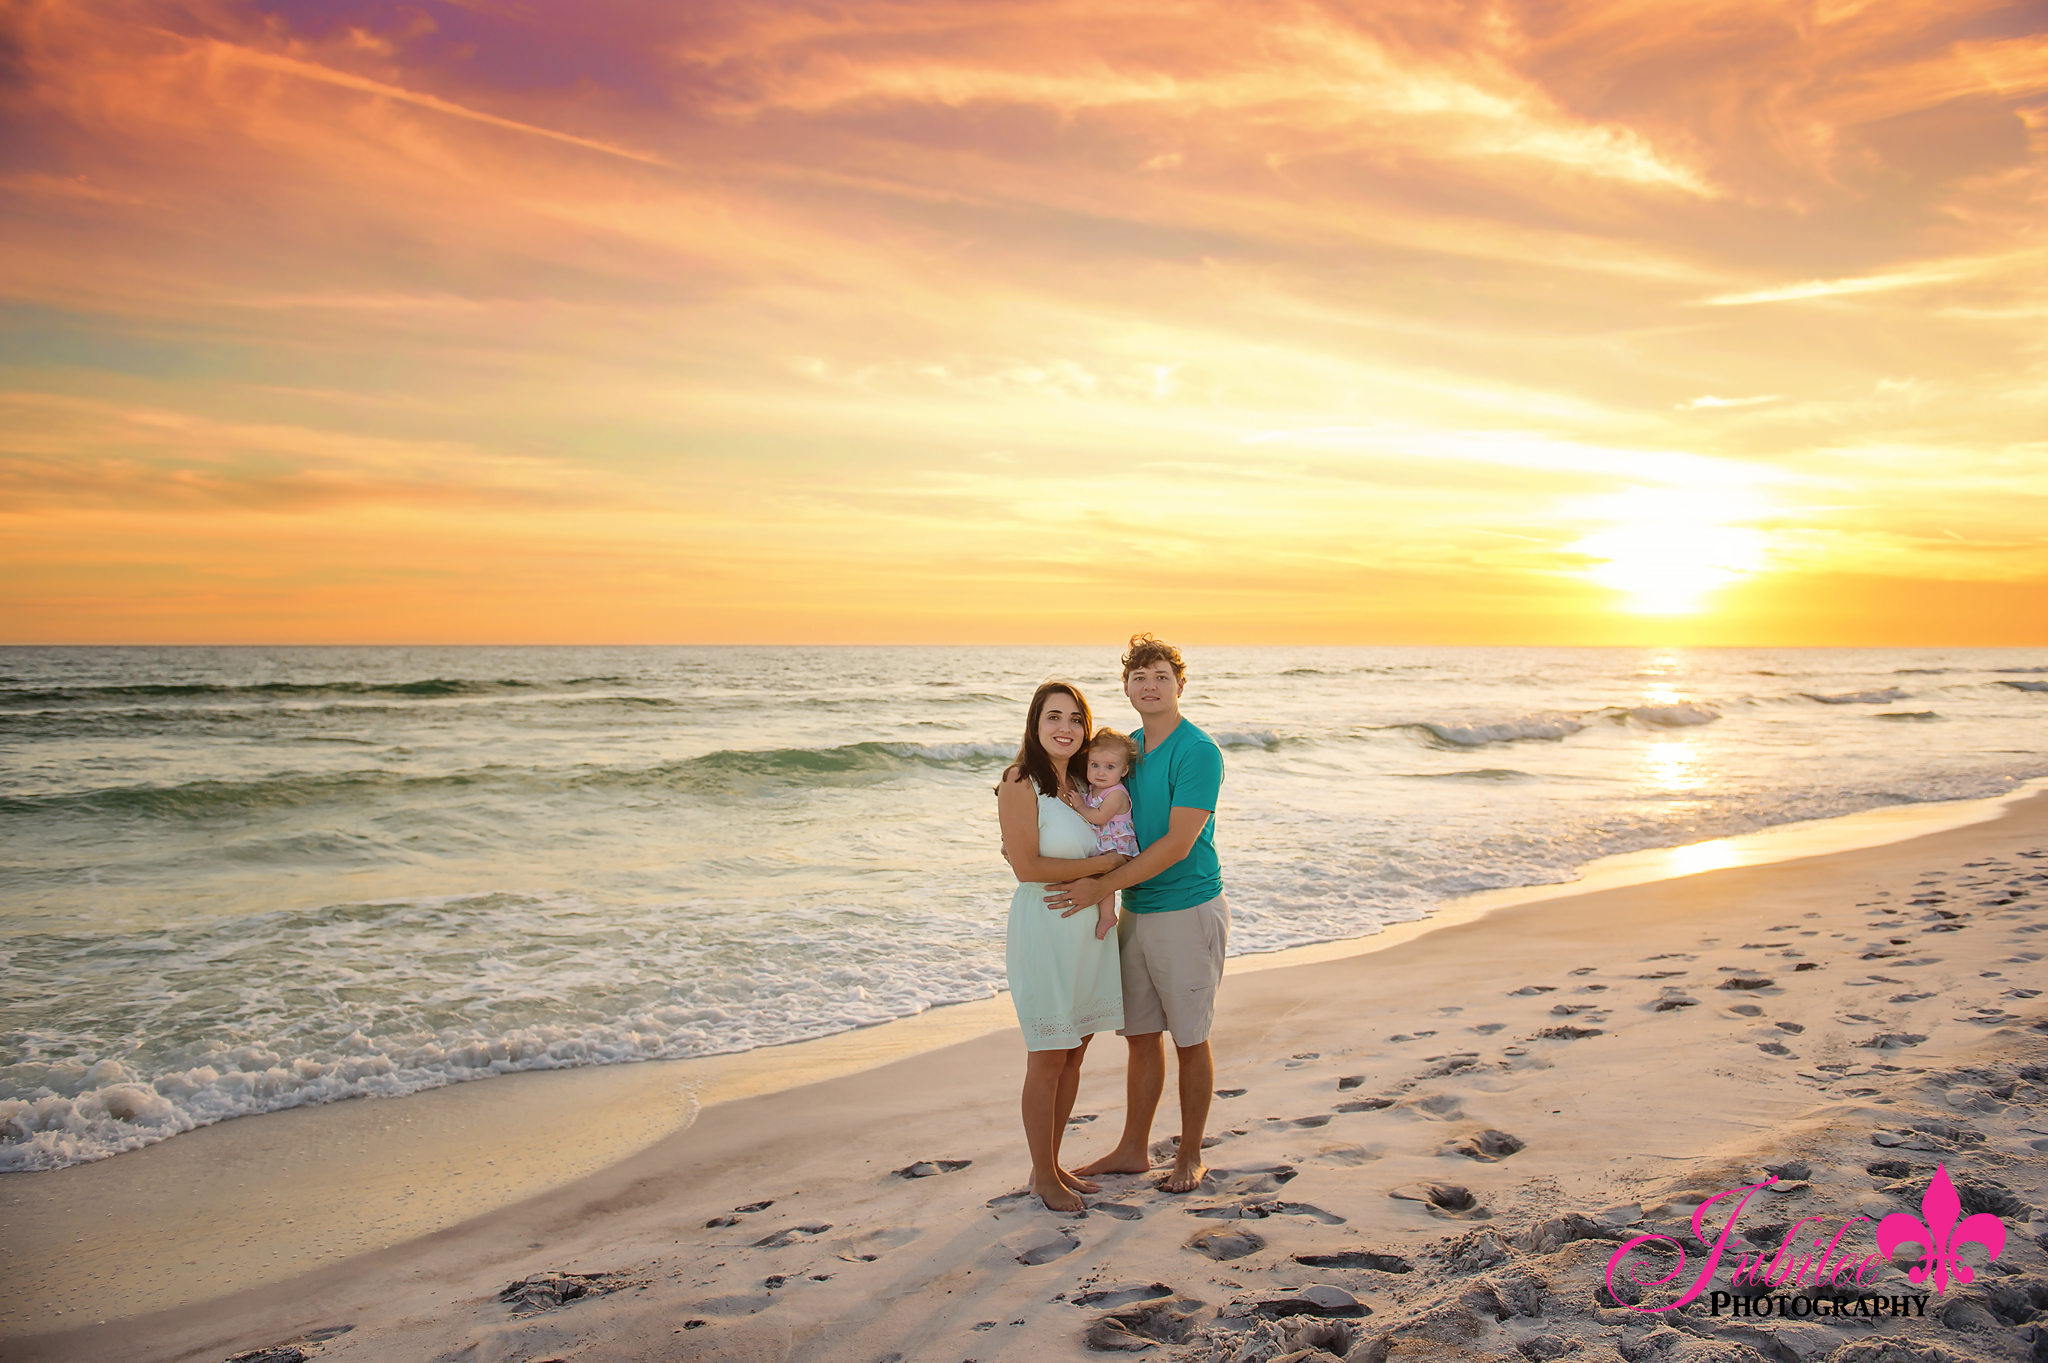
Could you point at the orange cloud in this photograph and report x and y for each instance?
(764, 321)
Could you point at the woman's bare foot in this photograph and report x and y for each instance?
(1185, 1178)
(1057, 1196)
(1078, 1184)
(1118, 1161)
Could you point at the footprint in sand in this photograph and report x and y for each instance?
(1118, 1210)
(1349, 1081)
(1108, 1298)
(1138, 1328)
(1489, 1028)
(1365, 1105)
(1248, 1181)
(1225, 1245)
(1356, 1258)
(1259, 1211)
(788, 1235)
(871, 1245)
(927, 1168)
(1351, 1155)
(1231, 1093)
(1052, 1249)
(1528, 990)
(717, 1222)
(1442, 1199)
(1489, 1146)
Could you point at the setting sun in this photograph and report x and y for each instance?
(1670, 550)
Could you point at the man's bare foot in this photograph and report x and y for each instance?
(1117, 1162)
(1185, 1179)
(1077, 1183)
(1057, 1196)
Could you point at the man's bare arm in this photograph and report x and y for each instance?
(1183, 827)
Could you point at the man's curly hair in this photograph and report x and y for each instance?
(1146, 650)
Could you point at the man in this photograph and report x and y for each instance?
(1175, 920)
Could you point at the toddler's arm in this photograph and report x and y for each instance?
(1113, 804)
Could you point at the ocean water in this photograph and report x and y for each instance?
(237, 880)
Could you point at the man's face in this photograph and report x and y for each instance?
(1153, 689)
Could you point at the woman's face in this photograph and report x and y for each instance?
(1060, 727)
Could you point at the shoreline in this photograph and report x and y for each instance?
(160, 1228)
(774, 1229)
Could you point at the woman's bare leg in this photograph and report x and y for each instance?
(1043, 1122)
(1063, 1108)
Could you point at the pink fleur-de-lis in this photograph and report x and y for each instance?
(1940, 1206)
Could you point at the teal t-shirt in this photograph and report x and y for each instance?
(1187, 771)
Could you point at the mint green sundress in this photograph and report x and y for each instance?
(1065, 984)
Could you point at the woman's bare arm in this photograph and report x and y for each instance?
(1017, 810)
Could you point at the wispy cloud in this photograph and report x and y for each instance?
(1707, 402)
(234, 55)
(1834, 288)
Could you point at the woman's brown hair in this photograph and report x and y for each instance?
(1033, 762)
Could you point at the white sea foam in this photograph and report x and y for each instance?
(1550, 725)
(1880, 697)
(950, 752)
(1679, 716)
(1244, 738)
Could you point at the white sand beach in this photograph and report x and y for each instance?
(1448, 1135)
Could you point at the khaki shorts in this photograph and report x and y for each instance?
(1172, 963)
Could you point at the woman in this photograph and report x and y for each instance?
(1064, 980)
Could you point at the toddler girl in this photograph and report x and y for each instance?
(1107, 805)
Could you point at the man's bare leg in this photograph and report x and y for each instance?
(1144, 1081)
(1197, 1076)
(1042, 1072)
(1063, 1108)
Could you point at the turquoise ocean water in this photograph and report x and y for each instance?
(237, 880)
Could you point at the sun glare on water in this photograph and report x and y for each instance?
(1670, 549)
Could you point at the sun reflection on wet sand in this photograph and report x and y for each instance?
(1706, 856)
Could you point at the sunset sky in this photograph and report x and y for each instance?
(1572, 321)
